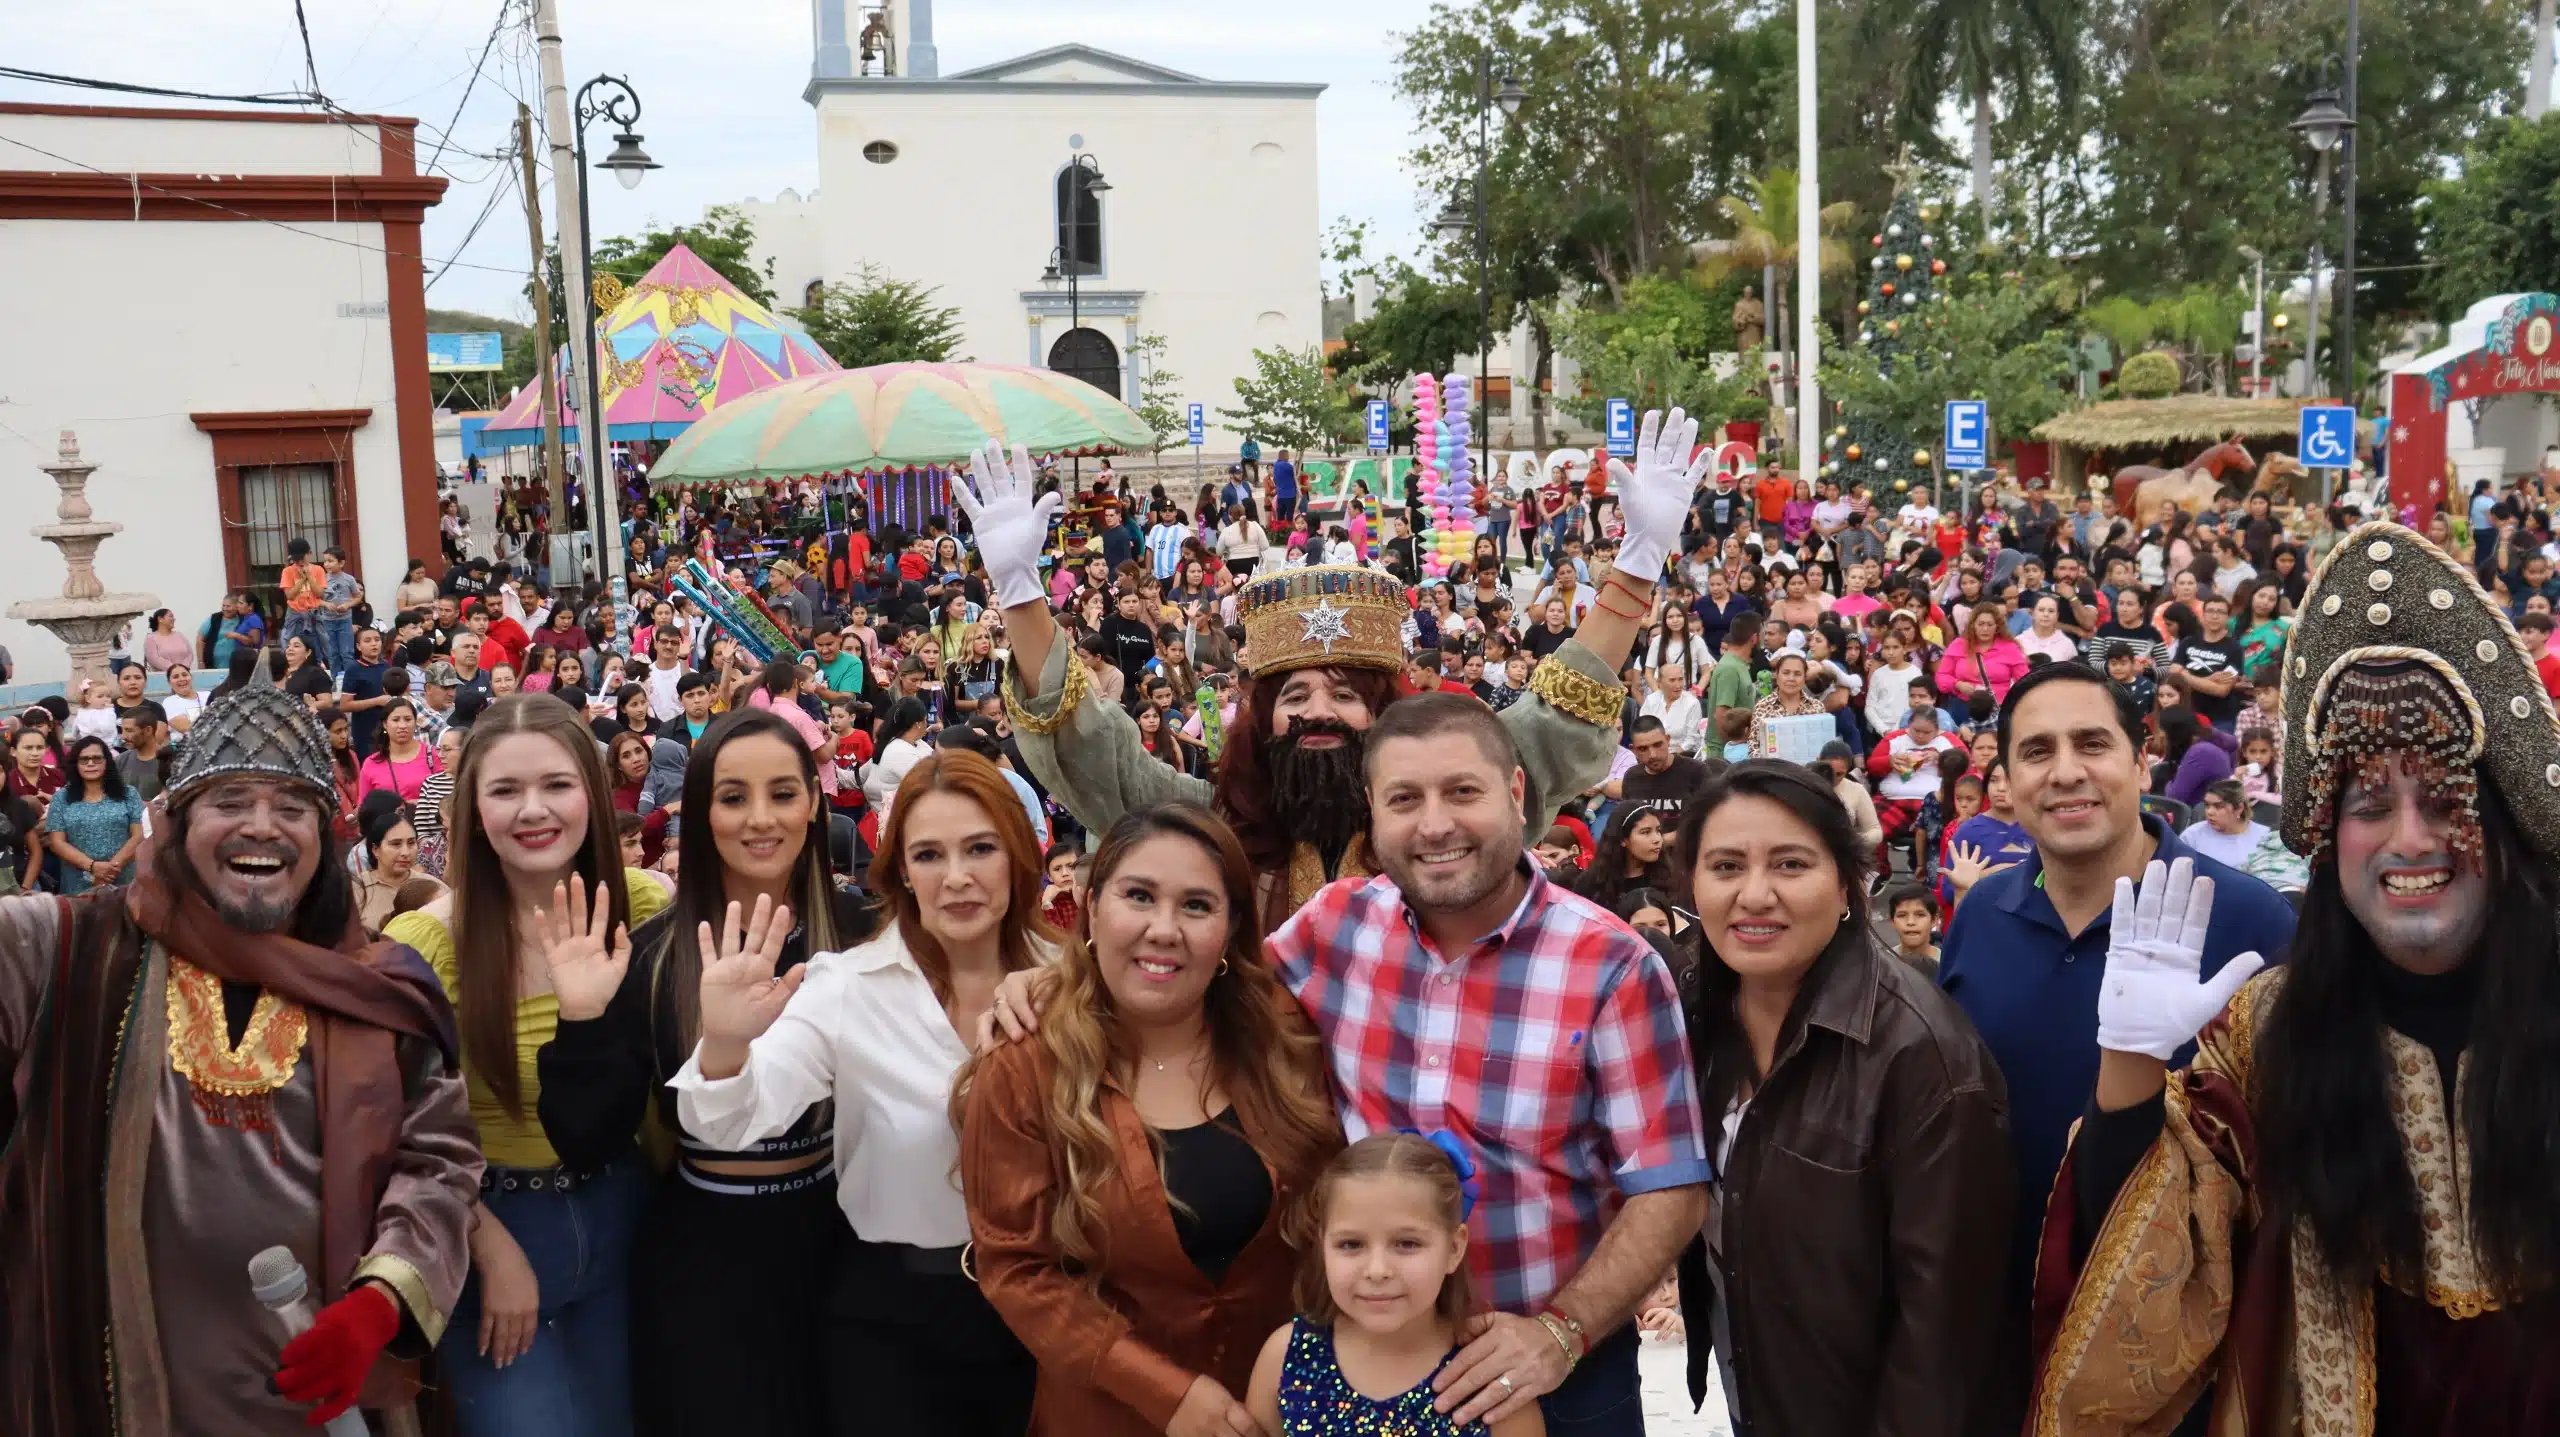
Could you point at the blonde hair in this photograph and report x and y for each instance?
(1389, 1155)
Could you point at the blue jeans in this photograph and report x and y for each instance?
(575, 1381)
(337, 642)
(1605, 1395)
(305, 622)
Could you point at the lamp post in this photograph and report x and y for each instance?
(619, 103)
(2257, 315)
(1067, 256)
(2327, 128)
(1507, 96)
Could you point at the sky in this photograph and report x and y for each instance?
(720, 87)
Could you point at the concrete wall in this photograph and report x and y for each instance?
(1209, 229)
(120, 330)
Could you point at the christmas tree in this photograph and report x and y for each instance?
(1904, 277)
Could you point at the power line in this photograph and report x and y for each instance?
(505, 8)
(497, 192)
(44, 77)
(310, 67)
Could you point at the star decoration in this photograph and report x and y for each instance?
(1326, 625)
(2400, 432)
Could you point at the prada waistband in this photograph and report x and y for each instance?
(728, 1185)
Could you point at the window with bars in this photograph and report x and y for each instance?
(280, 502)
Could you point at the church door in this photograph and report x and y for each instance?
(1089, 355)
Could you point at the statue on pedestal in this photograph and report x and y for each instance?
(1750, 321)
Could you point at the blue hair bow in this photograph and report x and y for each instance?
(1454, 1148)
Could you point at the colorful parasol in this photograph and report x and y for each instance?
(894, 416)
(678, 345)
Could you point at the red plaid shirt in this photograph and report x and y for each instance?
(1554, 1047)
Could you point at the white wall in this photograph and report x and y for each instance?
(789, 235)
(1212, 214)
(124, 329)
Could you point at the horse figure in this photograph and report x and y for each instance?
(2285, 482)
(2140, 489)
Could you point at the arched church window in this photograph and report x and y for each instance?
(1079, 212)
(879, 152)
(1089, 355)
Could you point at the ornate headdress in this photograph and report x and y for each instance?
(257, 729)
(1323, 616)
(2399, 658)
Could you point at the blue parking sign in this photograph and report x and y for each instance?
(1622, 429)
(2328, 437)
(1378, 441)
(1967, 444)
(1199, 426)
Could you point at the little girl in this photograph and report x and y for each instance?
(2259, 776)
(1385, 1295)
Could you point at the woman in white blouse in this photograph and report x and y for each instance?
(905, 748)
(879, 1029)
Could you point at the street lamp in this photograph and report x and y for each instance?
(2257, 315)
(1453, 221)
(2328, 127)
(1067, 258)
(619, 103)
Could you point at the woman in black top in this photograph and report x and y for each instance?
(1634, 852)
(630, 715)
(738, 1249)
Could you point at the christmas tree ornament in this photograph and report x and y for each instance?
(1883, 464)
(1894, 230)
(1866, 336)
(1876, 263)
(1893, 326)
(1909, 299)
(1919, 458)
(1929, 214)
(1862, 306)
(1926, 242)
(1840, 433)
(1902, 261)
(1856, 453)
(1886, 288)
(1901, 486)
(1876, 240)
(1937, 266)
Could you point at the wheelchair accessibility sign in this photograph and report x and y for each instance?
(2328, 438)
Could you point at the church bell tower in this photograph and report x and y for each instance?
(873, 39)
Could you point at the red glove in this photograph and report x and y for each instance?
(325, 1365)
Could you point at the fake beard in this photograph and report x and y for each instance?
(1319, 793)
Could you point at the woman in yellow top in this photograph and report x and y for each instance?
(539, 1342)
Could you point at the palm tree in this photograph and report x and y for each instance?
(1764, 237)
(1971, 45)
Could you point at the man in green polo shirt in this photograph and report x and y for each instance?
(839, 668)
(1730, 685)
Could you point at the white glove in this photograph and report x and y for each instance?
(2151, 999)
(1655, 497)
(1012, 528)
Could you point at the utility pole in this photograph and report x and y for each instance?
(555, 476)
(2537, 92)
(2348, 143)
(578, 296)
(1808, 248)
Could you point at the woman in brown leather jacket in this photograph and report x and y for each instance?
(1850, 1278)
(1133, 1172)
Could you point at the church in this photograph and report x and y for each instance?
(1066, 202)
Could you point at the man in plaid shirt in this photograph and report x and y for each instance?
(1463, 991)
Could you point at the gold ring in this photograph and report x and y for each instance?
(1505, 1380)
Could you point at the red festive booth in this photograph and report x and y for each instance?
(2509, 344)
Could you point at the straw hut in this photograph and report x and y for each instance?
(2163, 432)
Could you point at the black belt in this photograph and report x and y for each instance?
(558, 1179)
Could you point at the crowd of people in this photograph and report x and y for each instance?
(1119, 976)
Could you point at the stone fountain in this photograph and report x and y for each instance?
(86, 618)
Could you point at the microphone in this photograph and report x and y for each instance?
(277, 1280)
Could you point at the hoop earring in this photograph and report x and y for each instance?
(1222, 967)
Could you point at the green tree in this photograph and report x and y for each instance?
(1882, 383)
(1159, 403)
(1289, 401)
(1657, 348)
(1990, 338)
(881, 320)
(2495, 228)
(1971, 47)
(1764, 238)
(1419, 327)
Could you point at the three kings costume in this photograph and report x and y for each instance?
(2160, 1273)
(154, 1142)
(1088, 753)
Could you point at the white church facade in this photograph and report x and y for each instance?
(1203, 228)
